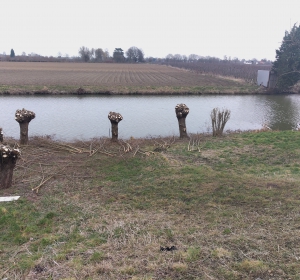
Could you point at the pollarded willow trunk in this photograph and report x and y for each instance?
(8, 160)
(182, 111)
(23, 117)
(1, 135)
(114, 118)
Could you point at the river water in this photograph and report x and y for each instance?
(85, 117)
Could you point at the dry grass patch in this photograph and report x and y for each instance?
(252, 266)
(221, 253)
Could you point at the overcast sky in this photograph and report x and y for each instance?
(237, 28)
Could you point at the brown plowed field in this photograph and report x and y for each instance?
(102, 74)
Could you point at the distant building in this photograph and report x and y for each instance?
(266, 78)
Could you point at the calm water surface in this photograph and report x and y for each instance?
(73, 117)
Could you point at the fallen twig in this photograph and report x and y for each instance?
(146, 153)
(92, 152)
(36, 189)
(106, 153)
(6, 271)
(128, 148)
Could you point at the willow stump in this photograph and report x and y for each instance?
(114, 118)
(182, 111)
(8, 160)
(23, 117)
(1, 135)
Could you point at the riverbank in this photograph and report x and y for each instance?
(102, 210)
(121, 90)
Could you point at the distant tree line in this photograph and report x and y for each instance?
(132, 55)
(93, 55)
(38, 58)
(34, 57)
(240, 69)
(198, 58)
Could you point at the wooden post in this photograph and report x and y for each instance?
(114, 118)
(8, 159)
(182, 111)
(23, 117)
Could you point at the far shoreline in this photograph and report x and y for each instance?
(88, 91)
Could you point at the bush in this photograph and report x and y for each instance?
(219, 120)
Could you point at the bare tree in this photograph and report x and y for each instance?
(169, 57)
(219, 120)
(114, 118)
(135, 54)
(99, 55)
(193, 57)
(92, 54)
(23, 117)
(8, 159)
(85, 54)
(178, 57)
(106, 54)
(182, 111)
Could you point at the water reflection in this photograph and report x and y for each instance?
(85, 117)
(283, 112)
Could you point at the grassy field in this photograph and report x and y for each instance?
(230, 206)
(105, 78)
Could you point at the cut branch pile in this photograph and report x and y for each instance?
(47, 163)
(194, 145)
(126, 147)
(164, 145)
(68, 148)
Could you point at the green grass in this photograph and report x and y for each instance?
(231, 210)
